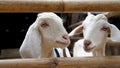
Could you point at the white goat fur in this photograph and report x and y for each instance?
(115, 33)
(96, 29)
(45, 34)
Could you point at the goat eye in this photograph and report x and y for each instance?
(104, 28)
(44, 25)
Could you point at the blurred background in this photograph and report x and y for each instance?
(13, 27)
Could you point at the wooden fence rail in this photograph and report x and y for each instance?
(58, 5)
(76, 62)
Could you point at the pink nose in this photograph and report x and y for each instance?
(87, 43)
(66, 37)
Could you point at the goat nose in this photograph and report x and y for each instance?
(66, 37)
(87, 43)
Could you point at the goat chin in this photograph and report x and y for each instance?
(78, 50)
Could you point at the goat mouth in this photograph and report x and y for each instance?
(63, 43)
(88, 49)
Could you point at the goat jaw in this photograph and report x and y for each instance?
(63, 43)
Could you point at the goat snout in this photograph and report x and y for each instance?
(66, 39)
(87, 43)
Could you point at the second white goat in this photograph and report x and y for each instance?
(95, 29)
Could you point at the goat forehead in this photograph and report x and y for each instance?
(54, 22)
(93, 22)
(47, 14)
(100, 16)
(100, 23)
(50, 16)
(95, 17)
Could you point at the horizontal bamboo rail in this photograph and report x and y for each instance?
(76, 62)
(58, 5)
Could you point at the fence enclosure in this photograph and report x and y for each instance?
(62, 6)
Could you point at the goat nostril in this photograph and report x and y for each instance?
(66, 37)
(87, 43)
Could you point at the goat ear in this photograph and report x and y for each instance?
(76, 31)
(112, 28)
(31, 44)
(114, 32)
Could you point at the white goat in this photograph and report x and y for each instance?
(45, 34)
(95, 33)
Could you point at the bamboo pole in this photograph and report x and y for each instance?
(76, 62)
(26, 63)
(91, 5)
(58, 5)
(89, 62)
(30, 5)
